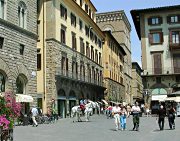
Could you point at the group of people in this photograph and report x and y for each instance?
(170, 113)
(120, 114)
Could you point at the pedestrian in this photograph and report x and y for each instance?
(34, 112)
(116, 112)
(123, 118)
(161, 114)
(171, 117)
(128, 110)
(135, 112)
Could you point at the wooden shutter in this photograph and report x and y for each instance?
(161, 37)
(150, 38)
(160, 20)
(149, 21)
(157, 64)
(176, 63)
(168, 19)
(170, 37)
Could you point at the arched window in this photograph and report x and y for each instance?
(21, 84)
(22, 15)
(2, 82)
(2, 9)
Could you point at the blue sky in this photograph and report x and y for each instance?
(127, 5)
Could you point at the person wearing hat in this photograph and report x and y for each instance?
(135, 112)
(116, 112)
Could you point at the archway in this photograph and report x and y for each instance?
(61, 103)
(21, 83)
(72, 100)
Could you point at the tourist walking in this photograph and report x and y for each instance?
(128, 110)
(123, 116)
(116, 112)
(171, 117)
(135, 112)
(34, 113)
(161, 114)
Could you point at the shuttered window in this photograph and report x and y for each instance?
(174, 37)
(74, 46)
(176, 63)
(173, 19)
(63, 35)
(82, 50)
(63, 12)
(73, 20)
(156, 37)
(155, 21)
(157, 63)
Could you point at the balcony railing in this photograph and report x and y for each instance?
(79, 77)
(161, 71)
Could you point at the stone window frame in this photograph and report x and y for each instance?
(22, 82)
(22, 15)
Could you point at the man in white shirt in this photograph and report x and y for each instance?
(135, 111)
(34, 112)
(116, 112)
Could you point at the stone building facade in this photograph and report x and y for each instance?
(137, 84)
(118, 24)
(18, 47)
(159, 32)
(70, 47)
(113, 63)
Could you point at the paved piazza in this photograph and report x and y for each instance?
(98, 129)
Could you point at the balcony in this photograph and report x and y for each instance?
(174, 47)
(161, 71)
(79, 77)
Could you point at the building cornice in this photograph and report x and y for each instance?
(19, 29)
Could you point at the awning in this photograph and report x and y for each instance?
(104, 101)
(176, 99)
(159, 97)
(23, 98)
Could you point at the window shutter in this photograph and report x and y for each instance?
(168, 19)
(149, 21)
(170, 37)
(160, 20)
(150, 38)
(178, 18)
(161, 36)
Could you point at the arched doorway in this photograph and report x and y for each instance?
(61, 103)
(72, 100)
(21, 84)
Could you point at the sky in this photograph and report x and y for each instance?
(127, 6)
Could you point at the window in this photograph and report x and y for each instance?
(38, 60)
(86, 8)
(96, 56)
(21, 49)
(95, 38)
(63, 34)
(92, 53)
(82, 46)
(87, 31)
(90, 12)
(2, 9)
(2, 82)
(156, 37)
(1, 42)
(22, 14)
(177, 78)
(155, 21)
(157, 63)
(20, 84)
(173, 19)
(99, 58)
(87, 50)
(74, 46)
(80, 24)
(63, 11)
(81, 3)
(73, 20)
(174, 37)
(99, 43)
(176, 63)
(91, 35)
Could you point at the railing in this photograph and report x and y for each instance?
(79, 77)
(161, 71)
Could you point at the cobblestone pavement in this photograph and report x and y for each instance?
(98, 129)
